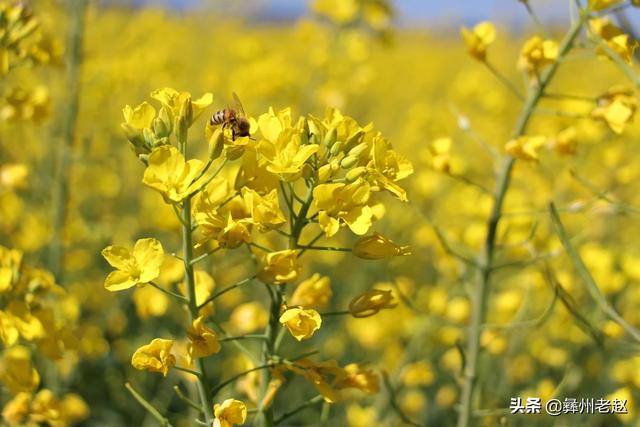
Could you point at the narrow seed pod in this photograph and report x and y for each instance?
(348, 162)
(355, 173)
(216, 144)
(314, 138)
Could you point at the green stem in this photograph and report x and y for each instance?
(586, 277)
(178, 297)
(187, 253)
(265, 416)
(186, 400)
(164, 422)
(76, 10)
(481, 290)
(225, 290)
(300, 408)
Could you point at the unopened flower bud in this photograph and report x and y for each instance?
(371, 302)
(336, 148)
(167, 118)
(358, 149)
(216, 144)
(377, 246)
(348, 162)
(184, 120)
(355, 173)
(354, 140)
(149, 136)
(324, 173)
(160, 128)
(330, 137)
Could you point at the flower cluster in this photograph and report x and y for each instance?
(269, 189)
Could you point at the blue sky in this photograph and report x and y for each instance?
(413, 12)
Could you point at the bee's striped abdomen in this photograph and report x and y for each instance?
(218, 118)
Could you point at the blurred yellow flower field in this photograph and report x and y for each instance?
(335, 220)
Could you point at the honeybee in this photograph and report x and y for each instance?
(233, 118)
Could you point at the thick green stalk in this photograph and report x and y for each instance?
(265, 417)
(187, 252)
(77, 10)
(481, 290)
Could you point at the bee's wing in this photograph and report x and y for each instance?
(237, 105)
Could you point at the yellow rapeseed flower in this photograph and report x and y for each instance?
(371, 302)
(280, 267)
(377, 246)
(17, 372)
(229, 413)
(359, 378)
(140, 266)
(616, 108)
(313, 292)
(171, 175)
(602, 4)
(340, 11)
(155, 356)
(174, 101)
(13, 176)
(525, 147)
(615, 38)
(249, 317)
(537, 54)
(478, 39)
(264, 210)
(203, 339)
(281, 147)
(339, 204)
(301, 322)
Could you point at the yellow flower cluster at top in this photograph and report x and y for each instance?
(267, 182)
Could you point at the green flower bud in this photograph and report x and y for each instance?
(160, 128)
(355, 173)
(358, 149)
(330, 137)
(184, 120)
(324, 173)
(234, 152)
(354, 140)
(348, 162)
(144, 158)
(133, 135)
(337, 147)
(216, 144)
(167, 118)
(149, 137)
